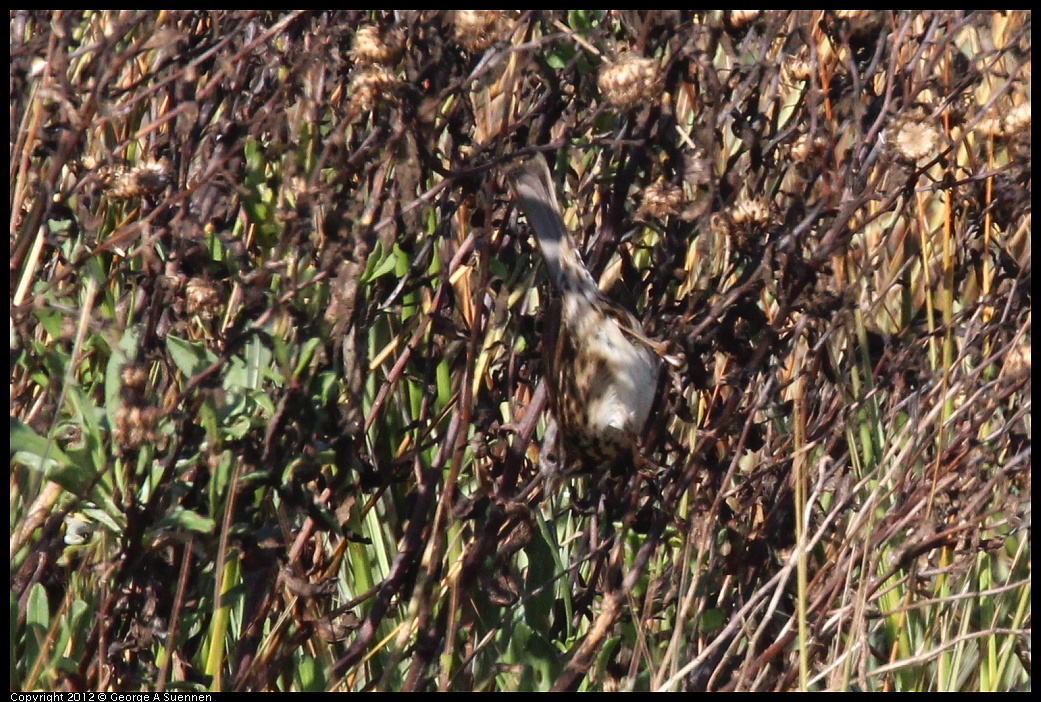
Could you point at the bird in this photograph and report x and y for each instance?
(602, 373)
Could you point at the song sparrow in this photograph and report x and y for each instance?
(603, 371)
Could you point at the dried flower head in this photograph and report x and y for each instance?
(914, 137)
(134, 378)
(628, 80)
(718, 224)
(148, 178)
(1018, 119)
(372, 85)
(736, 19)
(476, 30)
(203, 297)
(752, 213)
(373, 45)
(797, 68)
(1017, 362)
(748, 221)
(660, 200)
(991, 125)
(805, 148)
(135, 426)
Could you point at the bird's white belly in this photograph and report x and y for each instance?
(625, 383)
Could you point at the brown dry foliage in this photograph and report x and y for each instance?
(826, 217)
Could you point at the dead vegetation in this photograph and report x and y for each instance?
(275, 363)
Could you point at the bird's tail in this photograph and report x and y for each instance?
(534, 193)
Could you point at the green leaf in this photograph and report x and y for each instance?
(327, 385)
(70, 627)
(310, 676)
(37, 453)
(539, 576)
(51, 320)
(59, 226)
(37, 611)
(379, 264)
(246, 372)
(540, 660)
(112, 519)
(306, 354)
(14, 674)
(37, 619)
(190, 358)
(88, 416)
(712, 620)
(122, 354)
(180, 518)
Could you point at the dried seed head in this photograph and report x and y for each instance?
(1017, 362)
(371, 86)
(804, 148)
(135, 426)
(373, 45)
(991, 126)
(797, 68)
(748, 221)
(752, 212)
(740, 18)
(148, 178)
(628, 80)
(914, 137)
(134, 377)
(202, 297)
(660, 200)
(476, 30)
(1018, 119)
(718, 224)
